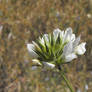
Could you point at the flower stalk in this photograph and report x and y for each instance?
(67, 81)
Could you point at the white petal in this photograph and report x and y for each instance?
(62, 34)
(48, 65)
(41, 40)
(31, 49)
(76, 42)
(35, 61)
(45, 36)
(70, 57)
(73, 37)
(69, 29)
(56, 32)
(68, 48)
(80, 49)
(68, 34)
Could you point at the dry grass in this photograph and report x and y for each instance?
(23, 21)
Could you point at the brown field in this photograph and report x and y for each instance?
(24, 21)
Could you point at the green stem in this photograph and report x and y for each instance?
(67, 82)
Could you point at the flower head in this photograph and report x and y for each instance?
(55, 49)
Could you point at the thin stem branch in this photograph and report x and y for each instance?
(67, 82)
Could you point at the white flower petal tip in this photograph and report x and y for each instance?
(31, 49)
(80, 49)
(73, 37)
(45, 37)
(70, 57)
(56, 32)
(48, 65)
(68, 36)
(42, 40)
(76, 42)
(69, 29)
(36, 62)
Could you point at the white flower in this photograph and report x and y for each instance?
(31, 50)
(48, 65)
(55, 49)
(80, 49)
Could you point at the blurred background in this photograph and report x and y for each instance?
(22, 21)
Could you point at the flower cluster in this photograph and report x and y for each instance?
(55, 49)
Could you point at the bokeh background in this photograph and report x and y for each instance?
(22, 21)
